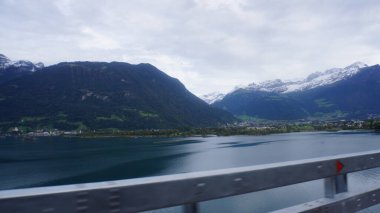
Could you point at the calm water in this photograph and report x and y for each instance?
(58, 160)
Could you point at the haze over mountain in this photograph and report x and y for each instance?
(338, 93)
(212, 97)
(98, 95)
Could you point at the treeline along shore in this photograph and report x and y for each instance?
(228, 130)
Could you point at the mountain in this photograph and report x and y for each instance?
(339, 93)
(212, 97)
(99, 95)
(4, 61)
(278, 86)
(13, 69)
(314, 80)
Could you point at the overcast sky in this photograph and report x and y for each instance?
(210, 45)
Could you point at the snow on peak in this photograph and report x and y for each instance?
(212, 97)
(22, 63)
(269, 86)
(314, 80)
(5, 62)
(39, 65)
(3, 58)
(357, 65)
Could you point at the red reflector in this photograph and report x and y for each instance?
(339, 166)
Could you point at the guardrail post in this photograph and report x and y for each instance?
(330, 187)
(341, 183)
(190, 208)
(335, 184)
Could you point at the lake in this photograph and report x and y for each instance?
(47, 161)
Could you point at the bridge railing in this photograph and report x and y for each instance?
(188, 189)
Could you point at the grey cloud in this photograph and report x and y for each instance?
(208, 44)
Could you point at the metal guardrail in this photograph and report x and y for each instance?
(188, 189)
(344, 202)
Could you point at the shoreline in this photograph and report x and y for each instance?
(179, 134)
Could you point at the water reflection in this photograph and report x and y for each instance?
(235, 145)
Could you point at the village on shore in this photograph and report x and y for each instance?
(239, 128)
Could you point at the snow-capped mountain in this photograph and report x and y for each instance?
(20, 65)
(314, 80)
(212, 97)
(4, 61)
(39, 65)
(13, 69)
(352, 92)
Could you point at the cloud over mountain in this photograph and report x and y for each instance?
(210, 45)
